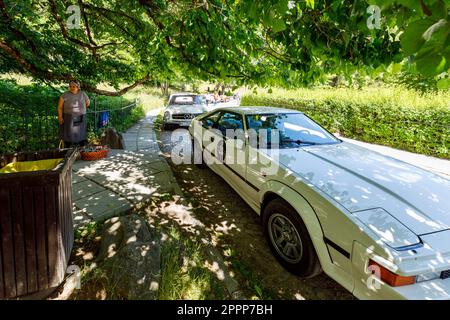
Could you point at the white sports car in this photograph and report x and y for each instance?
(182, 108)
(378, 226)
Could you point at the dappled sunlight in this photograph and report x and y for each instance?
(234, 229)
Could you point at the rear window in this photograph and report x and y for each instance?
(185, 100)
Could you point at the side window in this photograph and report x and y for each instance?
(230, 121)
(209, 121)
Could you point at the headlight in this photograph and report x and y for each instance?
(428, 276)
(166, 115)
(388, 229)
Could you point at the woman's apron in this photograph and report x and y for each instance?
(74, 128)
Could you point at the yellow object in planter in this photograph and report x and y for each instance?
(23, 166)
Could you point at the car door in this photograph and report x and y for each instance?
(225, 147)
(231, 146)
(206, 137)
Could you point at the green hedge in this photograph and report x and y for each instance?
(414, 123)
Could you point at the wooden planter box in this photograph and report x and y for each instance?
(36, 224)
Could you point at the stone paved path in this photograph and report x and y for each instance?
(112, 186)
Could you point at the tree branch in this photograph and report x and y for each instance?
(65, 33)
(118, 13)
(115, 93)
(15, 55)
(29, 68)
(150, 9)
(86, 23)
(9, 23)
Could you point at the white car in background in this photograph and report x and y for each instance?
(182, 108)
(378, 226)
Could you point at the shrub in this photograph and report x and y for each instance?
(393, 117)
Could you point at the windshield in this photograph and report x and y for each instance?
(186, 100)
(295, 129)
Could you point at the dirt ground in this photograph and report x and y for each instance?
(237, 233)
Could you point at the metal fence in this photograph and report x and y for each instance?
(25, 130)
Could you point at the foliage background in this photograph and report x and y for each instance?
(392, 116)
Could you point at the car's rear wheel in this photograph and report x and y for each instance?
(289, 239)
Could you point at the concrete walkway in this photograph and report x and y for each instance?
(112, 186)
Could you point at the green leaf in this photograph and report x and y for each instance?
(396, 67)
(278, 25)
(282, 7)
(431, 65)
(439, 10)
(310, 3)
(411, 4)
(440, 29)
(253, 12)
(411, 40)
(443, 84)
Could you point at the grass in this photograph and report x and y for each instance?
(95, 282)
(185, 274)
(184, 269)
(249, 281)
(149, 97)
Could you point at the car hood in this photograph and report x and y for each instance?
(190, 108)
(361, 179)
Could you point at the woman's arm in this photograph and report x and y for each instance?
(88, 102)
(60, 110)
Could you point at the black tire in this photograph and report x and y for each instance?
(305, 264)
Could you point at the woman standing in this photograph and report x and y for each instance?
(72, 107)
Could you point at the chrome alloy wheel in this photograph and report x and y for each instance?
(285, 238)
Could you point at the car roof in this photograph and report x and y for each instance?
(257, 110)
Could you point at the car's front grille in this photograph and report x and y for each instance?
(183, 116)
(445, 274)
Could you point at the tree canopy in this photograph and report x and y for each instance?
(261, 42)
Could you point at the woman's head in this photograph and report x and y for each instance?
(74, 86)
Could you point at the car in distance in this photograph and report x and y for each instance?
(181, 109)
(378, 226)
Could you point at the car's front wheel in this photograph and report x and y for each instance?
(289, 239)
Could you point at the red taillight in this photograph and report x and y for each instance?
(392, 279)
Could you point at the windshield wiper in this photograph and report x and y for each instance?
(300, 142)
